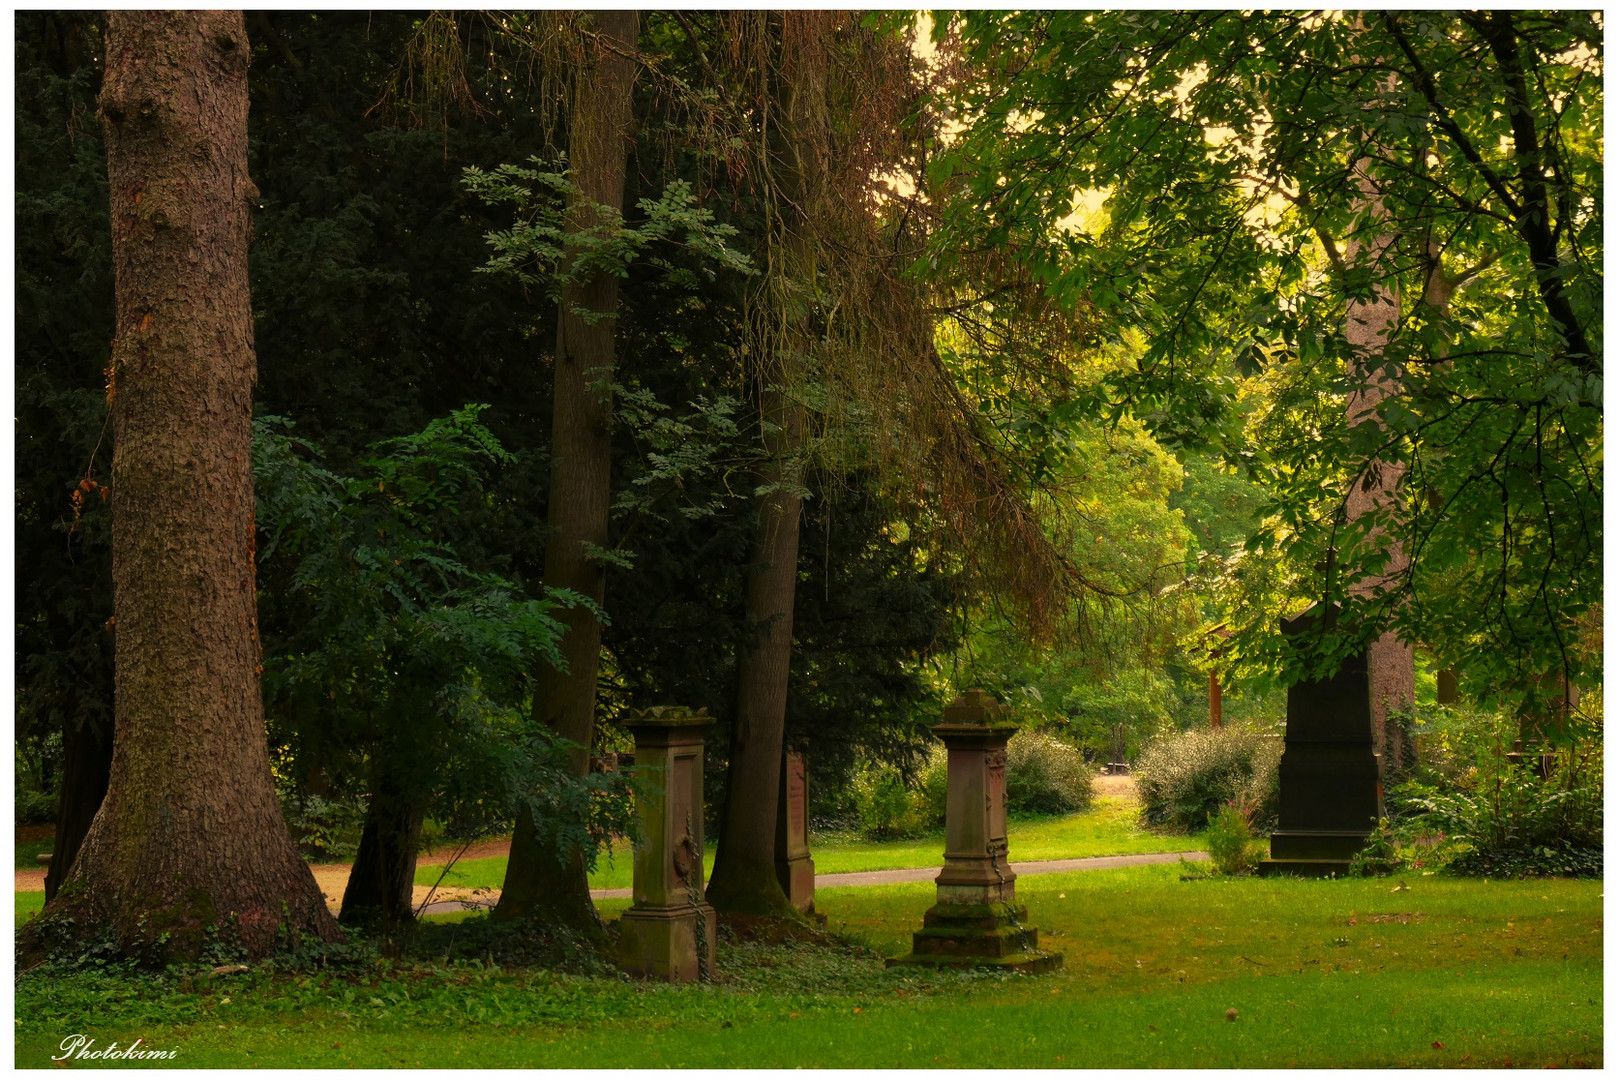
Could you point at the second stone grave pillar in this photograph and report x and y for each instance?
(669, 931)
(795, 870)
(976, 919)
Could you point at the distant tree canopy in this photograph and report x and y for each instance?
(1192, 176)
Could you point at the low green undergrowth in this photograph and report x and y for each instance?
(1414, 970)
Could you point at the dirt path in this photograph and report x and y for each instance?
(332, 877)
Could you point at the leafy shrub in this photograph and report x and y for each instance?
(34, 807)
(934, 780)
(324, 829)
(1229, 838)
(1045, 775)
(1185, 778)
(1379, 855)
(1501, 817)
(887, 808)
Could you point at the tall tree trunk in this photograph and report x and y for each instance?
(1391, 672)
(384, 872)
(541, 882)
(744, 879)
(190, 836)
(87, 748)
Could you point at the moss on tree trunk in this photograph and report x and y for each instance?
(189, 841)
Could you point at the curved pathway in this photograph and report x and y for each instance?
(891, 877)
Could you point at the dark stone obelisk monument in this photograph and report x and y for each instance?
(1330, 798)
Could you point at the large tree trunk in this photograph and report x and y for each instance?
(542, 883)
(190, 836)
(384, 871)
(744, 880)
(87, 748)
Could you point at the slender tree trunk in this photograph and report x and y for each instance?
(86, 767)
(190, 836)
(744, 879)
(384, 872)
(542, 883)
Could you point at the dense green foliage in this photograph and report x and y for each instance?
(404, 673)
(1501, 813)
(1201, 180)
(1186, 778)
(372, 320)
(1045, 775)
(64, 323)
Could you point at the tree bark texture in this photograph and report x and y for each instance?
(86, 767)
(541, 883)
(1391, 670)
(744, 881)
(384, 872)
(190, 836)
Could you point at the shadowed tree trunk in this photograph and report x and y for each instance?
(744, 881)
(379, 886)
(541, 882)
(86, 765)
(190, 835)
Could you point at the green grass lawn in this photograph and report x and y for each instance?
(1441, 973)
(1109, 828)
(29, 904)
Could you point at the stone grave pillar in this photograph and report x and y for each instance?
(976, 919)
(669, 931)
(794, 867)
(1330, 796)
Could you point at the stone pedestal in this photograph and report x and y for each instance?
(976, 919)
(794, 867)
(669, 931)
(1330, 798)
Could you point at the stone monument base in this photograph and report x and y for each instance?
(978, 935)
(663, 943)
(1313, 853)
(1330, 845)
(1313, 868)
